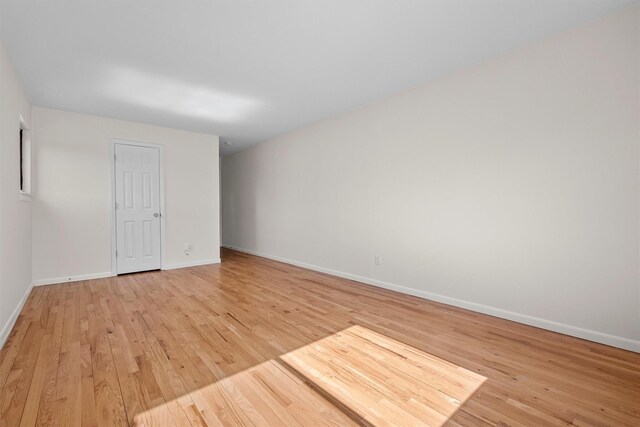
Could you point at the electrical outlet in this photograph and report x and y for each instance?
(188, 248)
(378, 260)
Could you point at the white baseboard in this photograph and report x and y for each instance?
(191, 264)
(612, 340)
(6, 329)
(67, 279)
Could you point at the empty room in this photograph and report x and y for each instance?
(319, 213)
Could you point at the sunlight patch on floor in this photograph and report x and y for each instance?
(380, 379)
(352, 376)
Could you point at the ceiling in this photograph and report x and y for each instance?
(251, 70)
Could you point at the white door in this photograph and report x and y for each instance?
(137, 198)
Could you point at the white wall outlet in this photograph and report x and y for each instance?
(188, 248)
(378, 260)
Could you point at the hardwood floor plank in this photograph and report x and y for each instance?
(11, 348)
(109, 405)
(34, 396)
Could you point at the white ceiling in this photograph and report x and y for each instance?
(250, 70)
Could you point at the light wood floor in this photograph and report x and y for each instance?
(256, 342)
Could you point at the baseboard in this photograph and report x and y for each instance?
(599, 337)
(67, 279)
(6, 329)
(191, 264)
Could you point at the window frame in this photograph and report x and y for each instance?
(24, 183)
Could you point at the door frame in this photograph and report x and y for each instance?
(112, 192)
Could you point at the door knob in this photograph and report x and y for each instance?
(156, 214)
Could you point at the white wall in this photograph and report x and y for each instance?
(15, 215)
(510, 188)
(72, 207)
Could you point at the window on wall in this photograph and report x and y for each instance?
(25, 162)
(21, 160)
